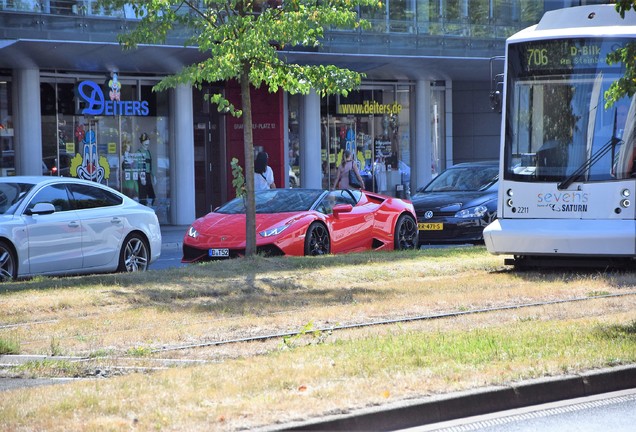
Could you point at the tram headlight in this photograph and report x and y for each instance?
(509, 192)
(509, 202)
(625, 203)
(625, 193)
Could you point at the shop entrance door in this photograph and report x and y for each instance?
(210, 158)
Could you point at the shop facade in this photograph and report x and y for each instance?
(112, 128)
(113, 131)
(108, 128)
(381, 124)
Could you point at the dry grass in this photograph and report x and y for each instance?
(117, 317)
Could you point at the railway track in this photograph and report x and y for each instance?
(113, 365)
(350, 326)
(384, 322)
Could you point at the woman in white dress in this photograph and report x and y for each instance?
(263, 174)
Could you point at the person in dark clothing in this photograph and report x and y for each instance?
(146, 178)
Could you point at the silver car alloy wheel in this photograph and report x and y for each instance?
(7, 263)
(135, 255)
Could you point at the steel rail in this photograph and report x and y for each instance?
(23, 324)
(389, 321)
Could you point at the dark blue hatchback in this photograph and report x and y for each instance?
(457, 204)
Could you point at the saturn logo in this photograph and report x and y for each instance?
(428, 215)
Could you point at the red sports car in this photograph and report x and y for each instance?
(305, 222)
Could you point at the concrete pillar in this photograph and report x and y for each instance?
(449, 123)
(421, 165)
(284, 182)
(182, 210)
(27, 122)
(310, 161)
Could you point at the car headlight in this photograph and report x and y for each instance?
(473, 212)
(273, 231)
(193, 232)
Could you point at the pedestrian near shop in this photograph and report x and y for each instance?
(348, 176)
(263, 174)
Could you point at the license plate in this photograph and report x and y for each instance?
(219, 253)
(430, 226)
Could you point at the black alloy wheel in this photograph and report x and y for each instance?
(134, 255)
(317, 240)
(406, 235)
(8, 267)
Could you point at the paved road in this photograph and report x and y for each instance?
(170, 258)
(172, 241)
(614, 411)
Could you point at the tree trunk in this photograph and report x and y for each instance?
(248, 147)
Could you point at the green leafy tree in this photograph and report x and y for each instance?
(243, 39)
(238, 179)
(626, 85)
(623, 6)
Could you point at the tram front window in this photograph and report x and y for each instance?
(557, 126)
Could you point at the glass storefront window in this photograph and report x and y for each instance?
(7, 158)
(293, 103)
(373, 124)
(129, 153)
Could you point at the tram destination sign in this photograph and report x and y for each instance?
(565, 54)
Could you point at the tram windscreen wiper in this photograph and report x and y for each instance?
(588, 163)
(592, 160)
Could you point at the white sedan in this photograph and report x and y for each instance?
(62, 225)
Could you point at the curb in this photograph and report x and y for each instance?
(171, 245)
(486, 400)
(172, 236)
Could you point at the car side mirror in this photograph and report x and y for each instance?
(41, 209)
(342, 208)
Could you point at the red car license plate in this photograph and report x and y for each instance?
(219, 253)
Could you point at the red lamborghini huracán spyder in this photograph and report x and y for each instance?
(305, 222)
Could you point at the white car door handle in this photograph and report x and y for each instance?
(115, 220)
(73, 224)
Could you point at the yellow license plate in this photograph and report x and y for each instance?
(430, 226)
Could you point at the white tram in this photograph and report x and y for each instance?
(568, 180)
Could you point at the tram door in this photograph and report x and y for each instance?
(210, 164)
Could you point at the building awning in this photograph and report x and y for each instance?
(165, 60)
(385, 67)
(95, 56)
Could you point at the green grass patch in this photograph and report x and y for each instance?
(52, 368)
(139, 351)
(9, 345)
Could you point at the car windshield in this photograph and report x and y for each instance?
(463, 179)
(335, 197)
(275, 201)
(11, 195)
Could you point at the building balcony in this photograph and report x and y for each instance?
(83, 21)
